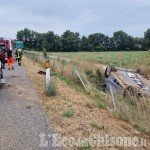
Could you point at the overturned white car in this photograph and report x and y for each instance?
(127, 82)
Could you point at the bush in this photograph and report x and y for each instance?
(51, 89)
(96, 78)
(101, 104)
(68, 113)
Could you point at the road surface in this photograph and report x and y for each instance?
(22, 119)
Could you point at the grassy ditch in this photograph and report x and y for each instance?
(135, 111)
(130, 109)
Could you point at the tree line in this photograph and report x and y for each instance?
(72, 41)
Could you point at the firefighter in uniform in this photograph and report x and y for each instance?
(18, 55)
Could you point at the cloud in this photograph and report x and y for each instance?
(83, 16)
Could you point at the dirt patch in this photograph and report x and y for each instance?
(9, 86)
(87, 118)
(28, 107)
(14, 86)
(14, 76)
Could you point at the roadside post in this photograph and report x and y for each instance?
(112, 96)
(47, 67)
(81, 79)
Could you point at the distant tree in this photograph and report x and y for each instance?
(96, 41)
(130, 45)
(138, 43)
(58, 45)
(100, 47)
(85, 44)
(49, 37)
(27, 36)
(122, 41)
(39, 40)
(20, 35)
(107, 43)
(70, 41)
(147, 39)
(45, 45)
(111, 44)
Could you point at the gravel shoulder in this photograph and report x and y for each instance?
(22, 119)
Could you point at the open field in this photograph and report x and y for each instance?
(130, 60)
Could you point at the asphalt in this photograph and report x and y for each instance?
(22, 120)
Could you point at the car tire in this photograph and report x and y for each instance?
(107, 72)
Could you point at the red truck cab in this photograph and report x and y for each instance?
(5, 42)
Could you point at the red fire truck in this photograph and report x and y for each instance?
(5, 42)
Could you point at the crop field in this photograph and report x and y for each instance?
(130, 60)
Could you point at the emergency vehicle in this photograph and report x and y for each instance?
(6, 43)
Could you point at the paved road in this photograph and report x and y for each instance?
(21, 115)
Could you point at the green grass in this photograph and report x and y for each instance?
(68, 113)
(132, 60)
(135, 111)
(129, 109)
(50, 89)
(100, 103)
(73, 84)
(94, 125)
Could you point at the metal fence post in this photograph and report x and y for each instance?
(81, 80)
(112, 96)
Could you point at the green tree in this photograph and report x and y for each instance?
(96, 41)
(85, 44)
(27, 36)
(50, 37)
(58, 45)
(20, 35)
(38, 41)
(122, 41)
(147, 39)
(107, 43)
(70, 41)
(138, 43)
(45, 45)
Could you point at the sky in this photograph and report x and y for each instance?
(83, 16)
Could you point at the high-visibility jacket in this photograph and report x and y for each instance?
(18, 53)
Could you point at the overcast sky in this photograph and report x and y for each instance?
(83, 16)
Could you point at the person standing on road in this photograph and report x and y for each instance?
(18, 55)
(2, 57)
(10, 59)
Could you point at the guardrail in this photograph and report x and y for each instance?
(72, 69)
